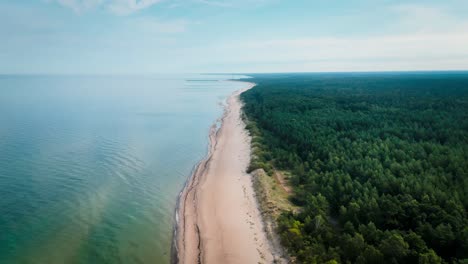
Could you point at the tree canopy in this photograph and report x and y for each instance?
(379, 163)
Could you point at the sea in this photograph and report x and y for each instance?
(91, 166)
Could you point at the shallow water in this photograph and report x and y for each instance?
(91, 166)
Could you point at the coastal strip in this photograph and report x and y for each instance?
(218, 220)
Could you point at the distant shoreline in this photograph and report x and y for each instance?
(218, 220)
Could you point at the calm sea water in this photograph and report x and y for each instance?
(90, 167)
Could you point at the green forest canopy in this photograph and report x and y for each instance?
(379, 163)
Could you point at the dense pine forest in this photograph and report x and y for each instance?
(379, 163)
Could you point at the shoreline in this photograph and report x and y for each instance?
(217, 216)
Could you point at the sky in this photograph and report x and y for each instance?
(238, 36)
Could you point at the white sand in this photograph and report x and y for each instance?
(219, 219)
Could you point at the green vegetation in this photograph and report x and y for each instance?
(379, 163)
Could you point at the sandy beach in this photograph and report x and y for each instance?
(218, 217)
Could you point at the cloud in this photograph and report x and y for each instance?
(411, 46)
(118, 7)
(422, 37)
(125, 7)
(223, 3)
(215, 3)
(79, 5)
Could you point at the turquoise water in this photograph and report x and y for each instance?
(90, 167)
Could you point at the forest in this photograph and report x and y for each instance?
(379, 163)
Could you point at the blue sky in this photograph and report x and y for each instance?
(160, 36)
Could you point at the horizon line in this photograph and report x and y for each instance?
(231, 73)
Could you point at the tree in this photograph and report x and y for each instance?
(371, 255)
(429, 258)
(394, 247)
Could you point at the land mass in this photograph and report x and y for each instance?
(376, 164)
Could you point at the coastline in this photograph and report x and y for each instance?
(217, 218)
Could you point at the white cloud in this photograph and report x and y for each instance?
(421, 47)
(125, 7)
(215, 3)
(79, 5)
(223, 3)
(119, 7)
(423, 38)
